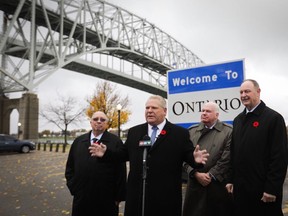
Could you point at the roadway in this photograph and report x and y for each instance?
(34, 184)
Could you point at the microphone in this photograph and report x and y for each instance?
(145, 142)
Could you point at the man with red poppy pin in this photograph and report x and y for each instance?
(163, 188)
(258, 156)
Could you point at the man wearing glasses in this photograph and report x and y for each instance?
(97, 188)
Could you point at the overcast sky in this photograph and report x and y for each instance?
(216, 31)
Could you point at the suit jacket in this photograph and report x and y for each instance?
(95, 185)
(164, 168)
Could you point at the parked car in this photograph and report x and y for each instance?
(10, 143)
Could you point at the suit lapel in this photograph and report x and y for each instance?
(86, 140)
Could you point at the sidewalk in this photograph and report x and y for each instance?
(34, 184)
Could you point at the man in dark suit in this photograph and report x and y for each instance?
(163, 193)
(258, 156)
(97, 187)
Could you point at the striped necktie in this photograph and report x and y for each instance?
(94, 140)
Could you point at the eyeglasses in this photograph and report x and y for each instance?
(99, 119)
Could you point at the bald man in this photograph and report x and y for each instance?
(206, 194)
(97, 188)
(258, 156)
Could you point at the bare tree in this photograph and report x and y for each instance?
(106, 98)
(63, 113)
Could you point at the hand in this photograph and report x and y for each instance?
(200, 156)
(203, 178)
(97, 150)
(229, 187)
(268, 197)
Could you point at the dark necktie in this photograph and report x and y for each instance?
(94, 140)
(205, 131)
(153, 135)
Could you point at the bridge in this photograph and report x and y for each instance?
(92, 37)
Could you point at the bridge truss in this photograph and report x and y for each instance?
(93, 37)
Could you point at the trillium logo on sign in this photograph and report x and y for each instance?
(189, 89)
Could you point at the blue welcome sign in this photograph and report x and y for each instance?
(189, 89)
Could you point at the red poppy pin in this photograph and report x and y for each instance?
(255, 124)
(163, 132)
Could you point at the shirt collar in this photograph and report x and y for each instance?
(211, 126)
(160, 127)
(97, 137)
(247, 111)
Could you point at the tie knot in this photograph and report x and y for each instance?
(205, 131)
(154, 128)
(94, 140)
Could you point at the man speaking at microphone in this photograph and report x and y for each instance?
(170, 148)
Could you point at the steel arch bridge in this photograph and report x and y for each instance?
(93, 37)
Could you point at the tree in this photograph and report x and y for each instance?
(63, 113)
(105, 99)
(45, 133)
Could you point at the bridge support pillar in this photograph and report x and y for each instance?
(28, 108)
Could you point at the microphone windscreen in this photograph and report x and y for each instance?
(145, 142)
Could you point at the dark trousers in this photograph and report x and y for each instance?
(219, 200)
(248, 202)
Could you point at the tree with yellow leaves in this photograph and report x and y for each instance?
(105, 99)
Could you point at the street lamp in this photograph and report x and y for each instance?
(19, 129)
(119, 107)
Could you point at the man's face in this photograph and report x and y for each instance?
(249, 95)
(154, 113)
(99, 122)
(209, 115)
